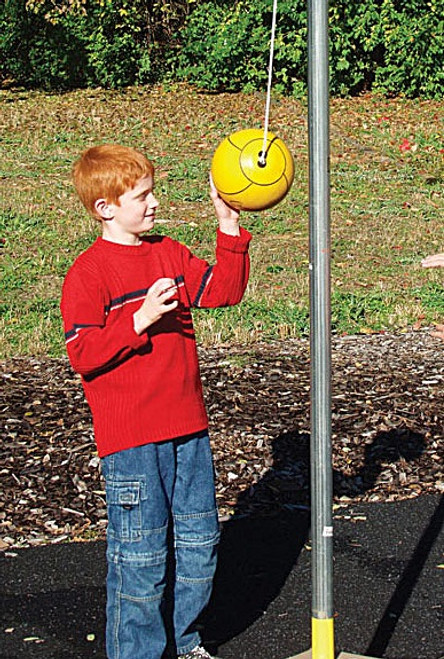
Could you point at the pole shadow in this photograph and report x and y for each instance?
(406, 585)
(258, 549)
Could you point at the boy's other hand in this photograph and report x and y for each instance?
(156, 304)
(438, 332)
(228, 217)
(433, 261)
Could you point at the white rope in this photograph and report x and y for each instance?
(262, 157)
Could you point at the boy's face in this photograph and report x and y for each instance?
(134, 215)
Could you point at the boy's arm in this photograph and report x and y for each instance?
(438, 332)
(221, 284)
(433, 261)
(92, 343)
(224, 283)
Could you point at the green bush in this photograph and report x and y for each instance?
(233, 56)
(388, 45)
(413, 45)
(35, 52)
(103, 43)
(378, 44)
(116, 46)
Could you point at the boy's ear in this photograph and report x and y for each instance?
(103, 209)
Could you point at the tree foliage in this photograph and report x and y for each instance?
(374, 44)
(76, 43)
(387, 45)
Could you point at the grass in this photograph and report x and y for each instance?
(387, 178)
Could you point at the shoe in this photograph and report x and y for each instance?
(198, 653)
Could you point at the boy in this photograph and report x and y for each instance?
(126, 308)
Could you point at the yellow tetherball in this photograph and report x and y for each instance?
(243, 178)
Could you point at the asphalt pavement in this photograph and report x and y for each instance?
(388, 588)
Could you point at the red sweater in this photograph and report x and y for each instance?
(144, 388)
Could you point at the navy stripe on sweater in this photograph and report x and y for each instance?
(204, 282)
(70, 334)
(134, 295)
(127, 297)
(115, 304)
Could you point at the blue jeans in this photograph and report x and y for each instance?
(159, 497)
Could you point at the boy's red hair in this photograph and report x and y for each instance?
(108, 171)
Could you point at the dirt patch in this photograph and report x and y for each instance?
(387, 431)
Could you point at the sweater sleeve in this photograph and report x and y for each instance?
(92, 343)
(224, 283)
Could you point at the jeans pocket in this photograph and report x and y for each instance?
(123, 500)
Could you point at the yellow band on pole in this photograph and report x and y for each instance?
(322, 638)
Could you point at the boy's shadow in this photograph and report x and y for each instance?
(262, 543)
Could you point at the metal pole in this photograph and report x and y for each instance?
(320, 342)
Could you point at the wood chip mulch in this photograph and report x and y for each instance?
(387, 433)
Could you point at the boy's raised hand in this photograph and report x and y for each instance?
(228, 217)
(156, 304)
